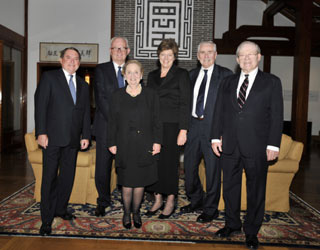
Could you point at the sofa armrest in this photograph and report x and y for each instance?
(30, 141)
(284, 166)
(295, 151)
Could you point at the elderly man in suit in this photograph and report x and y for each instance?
(62, 125)
(107, 79)
(205, 82)
(246, 134)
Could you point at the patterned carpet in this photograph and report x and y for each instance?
(19, 215)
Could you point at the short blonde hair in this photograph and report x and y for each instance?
(132, 62)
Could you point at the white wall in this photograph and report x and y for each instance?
(12, 15)
(249, 12)
(71, 21)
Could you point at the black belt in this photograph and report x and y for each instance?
(198, 118)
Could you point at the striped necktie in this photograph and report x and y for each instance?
(242, 91)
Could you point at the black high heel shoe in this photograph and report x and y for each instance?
(137, 220)
(151, 213)
(126, 221)
(164, 216)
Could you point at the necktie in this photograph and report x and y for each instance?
(242, 92)
(120, 78)
(200, 98)
(72, 90)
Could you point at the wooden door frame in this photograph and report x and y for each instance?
(19, 42)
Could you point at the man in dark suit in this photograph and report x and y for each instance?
(205, 82)
(246, 134)
(62, 124)
(107, 79)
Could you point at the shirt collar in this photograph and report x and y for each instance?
(210, 69)
(67, 74)
(252, 74)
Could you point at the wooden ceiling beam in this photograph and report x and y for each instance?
(274, 48)
(269, 13)
(245, 31)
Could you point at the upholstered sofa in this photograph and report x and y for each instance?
(84, 189)
(279, 177)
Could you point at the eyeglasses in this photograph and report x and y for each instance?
(122, 49)
(248, 55)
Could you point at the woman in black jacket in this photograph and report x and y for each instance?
(173, 87)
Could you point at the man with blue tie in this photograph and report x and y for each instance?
(205, 82)
(107, 79)
(62, 126)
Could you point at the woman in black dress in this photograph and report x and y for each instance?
(135, 134)
(173, 87)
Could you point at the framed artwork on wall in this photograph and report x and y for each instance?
(50, 52)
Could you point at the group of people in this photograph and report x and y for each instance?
(233, 121)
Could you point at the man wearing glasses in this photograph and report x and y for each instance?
(107, 78)
(246, 133)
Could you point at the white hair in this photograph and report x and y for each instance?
(116, 37)
(247, 43)
(208, 42)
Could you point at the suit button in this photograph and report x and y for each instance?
(240, 112)
(138, 131)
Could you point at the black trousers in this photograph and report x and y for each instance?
(256, 169)
(103, 172)
(198, 146)
(59, 164)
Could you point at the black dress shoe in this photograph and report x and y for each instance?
(45, 229)
(151, 213)
(100, 211)
(204, 218)
(66, 216)
(189, 208)
(252, 241)
(137, 220)
(126, 221)
(227, 231)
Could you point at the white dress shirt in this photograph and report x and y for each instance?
(116, 67)
(74, 79)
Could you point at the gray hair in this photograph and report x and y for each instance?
(116, 37)
(248, 43)
(208, 42)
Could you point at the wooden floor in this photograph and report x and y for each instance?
(16, 172)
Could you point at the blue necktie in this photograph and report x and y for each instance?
(120, 78)
(200, 98)
(72, 90)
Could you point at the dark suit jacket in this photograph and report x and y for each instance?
(217, 76)
(174, 93)
(134, 137)
(258, 124)
(105, 83)
(55, 113)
